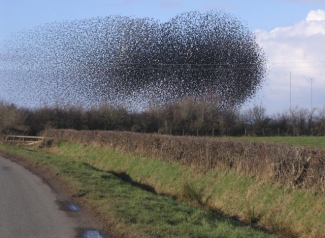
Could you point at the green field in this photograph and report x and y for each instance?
(309, 141)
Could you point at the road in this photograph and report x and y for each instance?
(29, 207)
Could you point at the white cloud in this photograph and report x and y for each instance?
(318, 15)
(298, 49)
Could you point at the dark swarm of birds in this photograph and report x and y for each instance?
(133, 61)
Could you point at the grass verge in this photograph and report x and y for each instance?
(279, 209)
(123, 191)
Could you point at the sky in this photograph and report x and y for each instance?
(291, 33)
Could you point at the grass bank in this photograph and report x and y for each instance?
(124, 191)
(279, 209)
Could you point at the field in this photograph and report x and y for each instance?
(309, 141)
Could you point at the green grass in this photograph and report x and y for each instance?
(281, 210)
(91, 173)
(309, 141)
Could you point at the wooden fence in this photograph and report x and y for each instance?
(25, 140)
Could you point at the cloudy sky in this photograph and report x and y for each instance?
(291, 32)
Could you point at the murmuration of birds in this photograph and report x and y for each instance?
(128, 61)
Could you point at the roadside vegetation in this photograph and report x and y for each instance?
(291, 166)
(285, 198)
(114, 186)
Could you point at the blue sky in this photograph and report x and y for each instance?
(292, 33)
(16, 15)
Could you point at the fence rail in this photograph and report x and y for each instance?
(26, 140)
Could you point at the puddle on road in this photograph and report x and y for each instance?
(73, 207)
(89, 233)
(67, 206)
(92, 234)
(70, 207)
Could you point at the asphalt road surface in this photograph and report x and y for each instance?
(29, 208)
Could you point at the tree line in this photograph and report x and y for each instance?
(188, 116)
